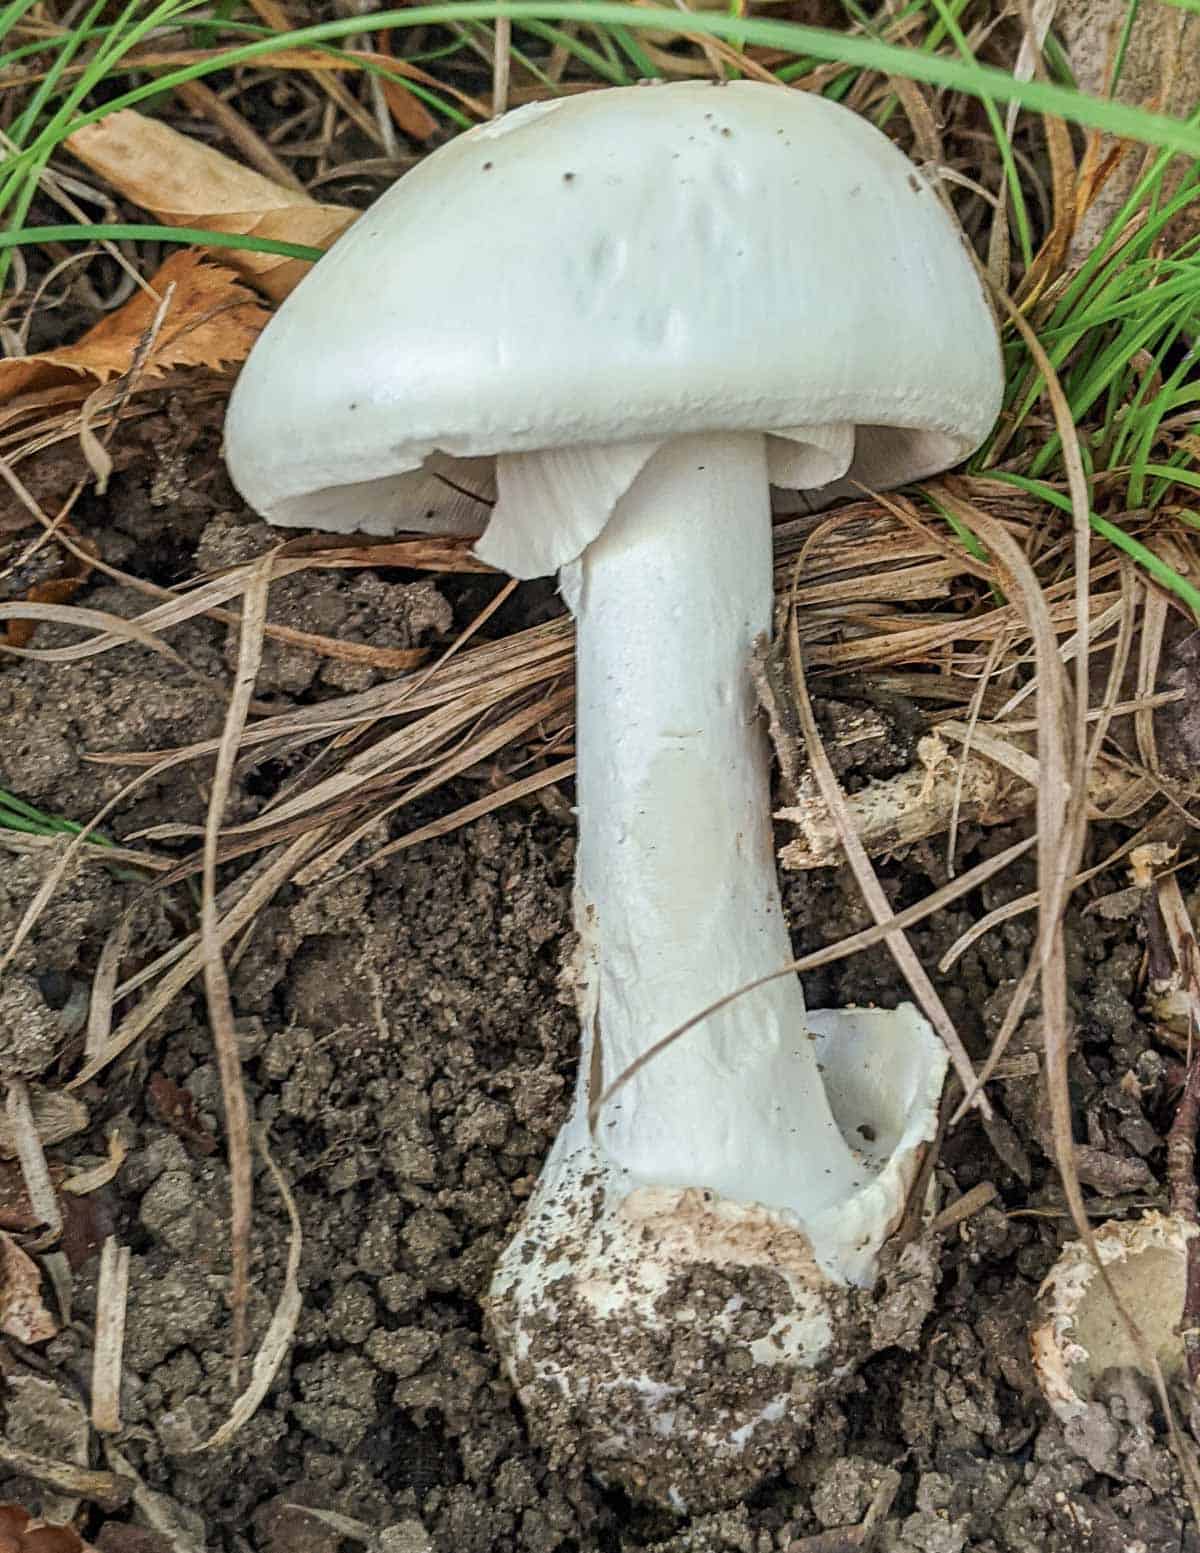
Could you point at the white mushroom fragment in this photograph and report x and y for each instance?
(1079, 1337)
(648, 305)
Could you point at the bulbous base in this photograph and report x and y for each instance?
(677, 1341)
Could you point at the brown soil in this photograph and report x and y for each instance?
(408, 1047)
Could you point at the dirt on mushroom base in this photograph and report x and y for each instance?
(409, 1047)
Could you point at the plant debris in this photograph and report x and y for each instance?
(186, 183)
(23, 1315)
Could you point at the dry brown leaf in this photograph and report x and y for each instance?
(212, 320)
(16, 1210)
(56, 1116)
(22, 1312)
(177, 1108)
(20, 1533)
(61, 589)
(185, 183)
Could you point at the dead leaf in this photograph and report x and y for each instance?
(61, 589)
(86, 1212)
(177, 1109)
(55, 1115)
(22, 1313)
(185, 183)
(20, 1533)
(212, 321)
(410, 113)
(16, 1211)
(87, 1223)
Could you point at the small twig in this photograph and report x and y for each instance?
(964, 1207)
(109, 1490)
(111, 1303)
(202, 99)
(35, 1172)
(854, 1539)
(501, 65)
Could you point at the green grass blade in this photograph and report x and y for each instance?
(967, 76)
(1150, 563)
(145, 232)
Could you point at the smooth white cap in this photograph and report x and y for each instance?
(625, 265)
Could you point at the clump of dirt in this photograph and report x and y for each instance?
(409, 1049)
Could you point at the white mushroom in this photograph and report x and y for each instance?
(649, 305)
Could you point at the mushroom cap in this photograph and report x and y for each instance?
(1079, 1335)
(623, 265)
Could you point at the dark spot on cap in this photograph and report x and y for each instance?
(728, 133)
(568, 177)
(354, 404)
(914, 183)
(487, 166)
(867, 1133)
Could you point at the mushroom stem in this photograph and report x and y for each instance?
(677, 898)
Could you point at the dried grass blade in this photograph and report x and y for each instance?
(109, 1490)
(112, 1295)
(216, 980)
(91, 852)
(487, 744)
(186, 960)
(944, 896)
(85, 1181)
(1048, 261)
(32, 1157)
(1061, 835)
(282, 1328)
(156, 1510)
(276, 17)
(247, 884)
(104, 984)
(469, 813)
(114, 629)
(865, 876)
(1150, 645)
